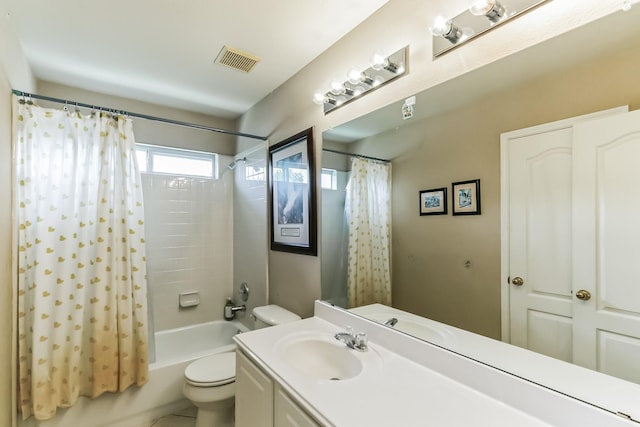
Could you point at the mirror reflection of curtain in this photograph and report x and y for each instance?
(82, 306)
(368, 209)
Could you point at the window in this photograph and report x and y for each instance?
(255, 173)
(329, 179)
(176, 161)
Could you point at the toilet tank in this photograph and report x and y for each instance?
(271, 315)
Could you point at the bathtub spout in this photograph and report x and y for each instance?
(230, 310)
(237, 308)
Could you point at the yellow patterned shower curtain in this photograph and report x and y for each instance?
(82, 310)
(368, 210)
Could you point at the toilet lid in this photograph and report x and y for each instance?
(217, 369)
(274, 315)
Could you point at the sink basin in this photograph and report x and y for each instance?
(322, 357)
(426, 330)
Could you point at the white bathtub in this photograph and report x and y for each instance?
(162, 395)
(195, 341)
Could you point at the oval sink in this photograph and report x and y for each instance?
(321, 359)
(428, 331)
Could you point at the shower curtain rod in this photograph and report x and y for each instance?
(356, 155)
(136, 115)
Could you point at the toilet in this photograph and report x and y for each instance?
(272, 315)
(210, 382)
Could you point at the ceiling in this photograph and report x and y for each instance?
(163, 52)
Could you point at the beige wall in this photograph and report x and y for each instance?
(6, 278)
(294, 280)
(14, 72)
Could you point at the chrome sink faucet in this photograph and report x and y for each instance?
(391, 322)
(356, 341)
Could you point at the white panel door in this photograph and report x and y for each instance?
(606, 229)
(540, 186)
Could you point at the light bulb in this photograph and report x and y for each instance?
(378, 61)
(492, 9)
(319, 97)
(481, 7)
(354, 76)
(337, 87)
(441, 27)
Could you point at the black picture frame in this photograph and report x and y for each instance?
(465, 197)
(292, 194)
(433, 201)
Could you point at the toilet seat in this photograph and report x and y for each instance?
(211, 371)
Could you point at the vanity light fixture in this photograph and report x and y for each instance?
(382, 70)
(480, 17)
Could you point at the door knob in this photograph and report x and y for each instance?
(518, 281)
(583, 295)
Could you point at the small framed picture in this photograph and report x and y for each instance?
(433, 202)
(466, 197)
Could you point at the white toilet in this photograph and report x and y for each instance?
(271, 315)
(210, 382)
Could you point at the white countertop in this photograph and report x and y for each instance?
(395, 392)
(586, 385)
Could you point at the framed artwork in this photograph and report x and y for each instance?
(433, 202)
(292, 195)
(466, 197)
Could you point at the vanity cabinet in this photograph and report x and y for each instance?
(254, 394)
(261, 402)
(287, 413)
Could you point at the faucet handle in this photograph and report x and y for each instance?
(360, 341)
(350, 331)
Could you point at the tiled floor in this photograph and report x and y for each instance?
(184, 418)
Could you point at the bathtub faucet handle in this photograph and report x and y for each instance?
(244, 291)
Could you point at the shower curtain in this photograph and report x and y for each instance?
(82, 316)
(368, 209)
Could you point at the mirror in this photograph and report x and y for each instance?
(447, 268)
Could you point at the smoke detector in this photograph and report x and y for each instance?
(237, 59)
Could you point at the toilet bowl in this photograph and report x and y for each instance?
(209, 382)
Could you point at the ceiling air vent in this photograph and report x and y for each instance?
(237, 59)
